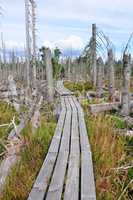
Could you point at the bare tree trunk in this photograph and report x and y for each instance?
(13, 91)
(49, 75)
(28, 50)
(69, 68)
(34, 40)
(4, 58)
(100, 65)
(126, 86)
(111, 75)
(94, 56)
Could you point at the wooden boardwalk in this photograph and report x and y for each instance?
(67, 172)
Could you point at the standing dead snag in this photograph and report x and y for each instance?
(30, 22)
(100, 66)
(111, 75)
(126, 86)
(28, 49)
(33, 5)
(49, 74)
(94, 56)
(13, 92)
(69, 68)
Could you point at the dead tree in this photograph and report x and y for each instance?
(33, 4)
(49, 75)
(4, 68)
(30, 21)
(94, 56)
(28, 42)
(111, 74)
(126, 86)
(13, 92)
(100, 66)
(69, 68)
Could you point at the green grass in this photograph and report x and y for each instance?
(7, 112)
(118, 122)
(23, 175)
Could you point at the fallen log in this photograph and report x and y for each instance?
(14, 149)
(96, 108)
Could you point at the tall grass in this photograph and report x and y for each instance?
(7, 112)
(109, 153)
(23, 175)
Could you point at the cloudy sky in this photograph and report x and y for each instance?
(67, 23)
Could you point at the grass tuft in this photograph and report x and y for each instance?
(23, 175)
(109, 153)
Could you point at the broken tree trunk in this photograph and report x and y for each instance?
(126, 86)
(36, 119)
(13, 91)
(111, 75)
(14, 147)
(49, 75)
(12, 156)
(103, 107)
(100, 66)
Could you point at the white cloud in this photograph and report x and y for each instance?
(14, 45)
(72, 42)
(63, 18)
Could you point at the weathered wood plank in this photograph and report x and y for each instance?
(62, 90)
(57, 182)
(72, 180)
(87, 176)
(40, 187)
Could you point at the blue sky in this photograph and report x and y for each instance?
(67, 23)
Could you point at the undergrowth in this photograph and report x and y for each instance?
(7, 112)
(110, 151)
(78, 87)
(23, 175)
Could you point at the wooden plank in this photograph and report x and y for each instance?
(72, 180)
(40, 187)
(87, 176)
(57, 182)
(62, 90)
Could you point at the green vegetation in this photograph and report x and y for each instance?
(58, 69)
(118, 122)
(78, 87)
(7, 112)
(110, 151)
(23, 175)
